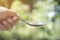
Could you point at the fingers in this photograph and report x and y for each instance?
(11, 13)
(8, 18)
(11, 21)
(8, 23)
(16, 18)
(2, 27)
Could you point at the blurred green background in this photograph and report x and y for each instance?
(43, 11)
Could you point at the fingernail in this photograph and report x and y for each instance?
(15, 18)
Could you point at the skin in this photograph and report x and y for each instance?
(8, 19)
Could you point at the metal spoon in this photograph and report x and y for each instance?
(33, 24)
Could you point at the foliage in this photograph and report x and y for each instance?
(40, 13)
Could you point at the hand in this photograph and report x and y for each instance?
(8, 18)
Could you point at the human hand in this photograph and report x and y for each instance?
(8, 18)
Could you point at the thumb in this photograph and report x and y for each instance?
(12, 13)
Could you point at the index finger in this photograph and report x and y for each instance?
(11, 13)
